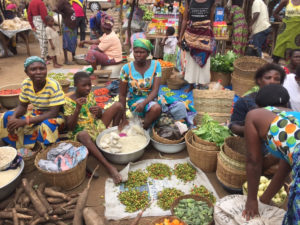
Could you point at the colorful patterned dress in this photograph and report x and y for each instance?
(140, 86)
(86, 120)
(240, 30)
(45, 132)
(283, 141)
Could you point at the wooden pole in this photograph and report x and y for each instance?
(129, 21)
(121, 20)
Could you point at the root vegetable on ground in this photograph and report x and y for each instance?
(52, 193)
(91, 217)
(9, 215)
(53, 200)
(43, 199)
(15, 217)
(67, 216)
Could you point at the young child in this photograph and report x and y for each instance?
(53, 41)
(85, 119)
(170, 45)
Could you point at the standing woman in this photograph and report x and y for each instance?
(69, 28)
(197, 32)
(240, 27)
(37, 13)
(289, 36)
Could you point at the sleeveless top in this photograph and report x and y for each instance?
(200, 11)
(292, 10)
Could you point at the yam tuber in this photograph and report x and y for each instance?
(52, 193)
(52, 200)
(67, 216)
(91, 217)
(15, 217)
(4, 204)
(78, 217)
(60, 223)
(26, 211)
(25, 201)
(38, 205)
(43, 199)
(43, 220)
(9, 215)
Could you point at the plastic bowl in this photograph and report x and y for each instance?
(10, 101)
(79, 59)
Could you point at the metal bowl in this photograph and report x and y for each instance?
(14, 151)
(79, 59)
(168, 148)
(121, 158)
(6, 190)
(10, 101)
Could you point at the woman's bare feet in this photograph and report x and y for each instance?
(116, 176)
(57, 65)
(191, 87)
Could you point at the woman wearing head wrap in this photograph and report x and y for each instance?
(279, 129)
(107, 50)
(141, 78)
(24, 127)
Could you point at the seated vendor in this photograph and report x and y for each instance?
(142, 79)
(24, 127)
(107, 50)
(85, 119)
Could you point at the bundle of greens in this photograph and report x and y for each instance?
(223, 63)
(211, 130)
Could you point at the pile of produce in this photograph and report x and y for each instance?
(211, 130)
(194, 212)
(15, 24)
(223, 63)
(159, 171)
(62, 76)
(148, 13)
(203, 192)
(167, 196)
(165, 63)
(136, 179)
(170, 222)
(10, 91)
(264, 182)
(185, 172)
(134, 200)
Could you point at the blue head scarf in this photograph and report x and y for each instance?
(33, 59)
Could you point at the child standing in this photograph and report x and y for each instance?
(53, 41)
(170, 45)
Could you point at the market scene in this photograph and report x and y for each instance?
(149, 112)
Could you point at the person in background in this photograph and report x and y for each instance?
(294, 61)
(141, 79)
(80, 17)
(85, 119)
(279, 129)
(69, 29)
(95, 25)
(259, 26)
(10, 11)
(196, 31)
(240, 27)
(53, 40)
(292, 84)
(37, 13)
(107, 50)
(170, 45)
(289, 36)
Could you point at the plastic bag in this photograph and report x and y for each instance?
(169, 132)
(134, 127)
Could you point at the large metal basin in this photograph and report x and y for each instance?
(6, 190)
(121, 158)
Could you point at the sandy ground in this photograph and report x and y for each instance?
(12, 72)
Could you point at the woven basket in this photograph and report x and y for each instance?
(224, 77)
(175, 83)
(230, 174)
(235, 148)
(213, 101)
(204, 145)
(241, 85)
(166, 73)
(29, 160)
(162, 140)
(65, 84)
(220, 117)
(247, 66)
(205, 160)
(161, 220)
(68, 179)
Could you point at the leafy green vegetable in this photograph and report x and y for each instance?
(223, 63)
(210, 130)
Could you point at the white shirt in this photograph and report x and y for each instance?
(262, 23)
(170, 45)
(294, 91)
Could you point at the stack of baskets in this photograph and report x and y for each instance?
(224, 77)
(244, 72)
(231, 166)
(162, 140)
(166, 73)
(216, 103)
(203, 154)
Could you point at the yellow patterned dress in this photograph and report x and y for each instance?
(86, 120)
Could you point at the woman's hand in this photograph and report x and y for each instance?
(96, 111)
(140, 107)
(80, 102)
(14, 124)
(123, 124)
(251, 209)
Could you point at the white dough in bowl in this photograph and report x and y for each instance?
(7, 155)
(7, 176)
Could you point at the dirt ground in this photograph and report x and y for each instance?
(12, 72)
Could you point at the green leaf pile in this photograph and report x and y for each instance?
(211, 130)
(223, 63)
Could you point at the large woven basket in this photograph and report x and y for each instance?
(235, 148)
(196, 198)
(230, 173)
(161, 220)
(166, 73)
(224, 77)
(68, 179)
(204, 145)
(220, 117)
(65, 85)
(29, 160)
(205, 160)
(247, 66)
(240, 85)
(162, 140)
(175, 83)
(213, 101)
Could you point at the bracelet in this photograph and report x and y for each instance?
(27, 120)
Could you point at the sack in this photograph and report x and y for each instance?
(229, 209)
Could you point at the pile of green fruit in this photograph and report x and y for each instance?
(148, 14)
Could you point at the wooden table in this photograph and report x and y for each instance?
(4, 39)
(221, 44)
